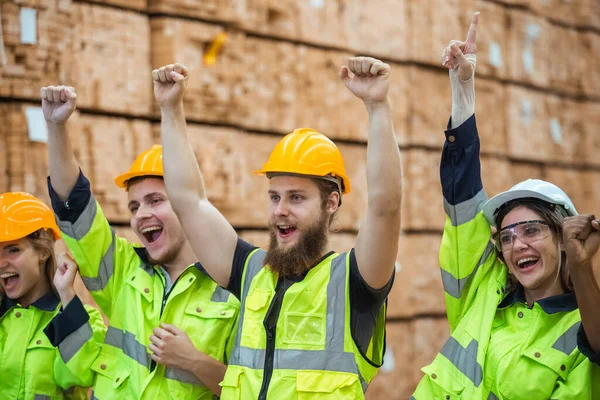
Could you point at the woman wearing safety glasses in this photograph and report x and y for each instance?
(522, 306)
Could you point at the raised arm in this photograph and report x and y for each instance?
(466, 253)
(581, 238)
(58, 103)
(212, 238)
(377, 242)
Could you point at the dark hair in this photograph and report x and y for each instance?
(137, 179)
(549, 213)
(325, 189)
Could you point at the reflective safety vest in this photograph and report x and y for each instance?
(133, 296)
(310, 353)
(31, 368)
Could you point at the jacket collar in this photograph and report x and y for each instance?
(47, 302)
(565, 302)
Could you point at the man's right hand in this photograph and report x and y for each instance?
(170, 83)
(453, 56)
(58, 103)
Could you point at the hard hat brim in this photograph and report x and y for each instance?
(121, 180)
(492, 206)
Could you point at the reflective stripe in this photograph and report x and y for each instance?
(567, 342)
(333, 358)
(254, 264)
(74, 342)
(453, 286)
(465, 360)
(41, 397)
(182, 375)
(105, 270)
(492, 396)
(84, 223)
(318, 360)
(464, 212)
(126, 341)
(220, 295)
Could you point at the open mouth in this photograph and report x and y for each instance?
(527, 263)
(286, 230)
(152, 233)
(9, 280)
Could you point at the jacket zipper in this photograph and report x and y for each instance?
(274, 310)
(162, 306)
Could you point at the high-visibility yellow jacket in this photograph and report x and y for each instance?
(499, 347)
(31, 368)
(135, 297)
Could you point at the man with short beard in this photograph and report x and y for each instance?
(156, 297)
(312, 321)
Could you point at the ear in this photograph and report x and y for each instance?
(333, 202)
(45, 254)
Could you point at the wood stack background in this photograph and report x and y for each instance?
(538, 109)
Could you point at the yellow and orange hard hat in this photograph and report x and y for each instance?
(21, 214)
(307, 152)
(148, 163)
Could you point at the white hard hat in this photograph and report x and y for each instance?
(531, 188)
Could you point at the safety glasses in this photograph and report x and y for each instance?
(527, 231)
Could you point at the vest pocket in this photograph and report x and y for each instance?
(535, 373)
(231, 383)
(319, 385)
(304, 330)
(256, 304)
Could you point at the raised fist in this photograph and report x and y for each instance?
(367, 78)
(170, 83)
(58, 103)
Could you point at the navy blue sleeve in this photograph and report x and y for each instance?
(73, 317)
(460, 168)
(584, 346)
(71, 209)
(242, 251)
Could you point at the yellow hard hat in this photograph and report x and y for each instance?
(307, 152)
(149, 163)
(21, 214)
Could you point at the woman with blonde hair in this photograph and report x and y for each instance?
(31, 295)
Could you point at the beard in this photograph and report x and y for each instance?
(168, 257)
(296, 260)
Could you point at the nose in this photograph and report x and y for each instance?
(281, 210)
(518, 244)
(143, 212)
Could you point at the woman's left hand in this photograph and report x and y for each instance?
(581, 238)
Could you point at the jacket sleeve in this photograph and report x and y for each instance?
(466, 244)
(78, 333)
(583, 381)
(93, 243)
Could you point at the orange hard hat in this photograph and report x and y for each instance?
(307, 152)
(149, 163)
(21, 214)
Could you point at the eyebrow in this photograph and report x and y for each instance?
(293, 191)
(146, 198)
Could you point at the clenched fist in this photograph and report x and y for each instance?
(58, 103)
(170, 83)
(172, 347)
(64, 278)
(581, 239)
(367, 78)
